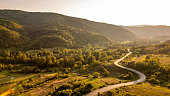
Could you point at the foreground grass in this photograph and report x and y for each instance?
(6, 76)
(6, 82)
(101, 82)
(144, 89)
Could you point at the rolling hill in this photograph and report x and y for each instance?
(13, 35)
(160, 32)
(9, 37)
(49, 30)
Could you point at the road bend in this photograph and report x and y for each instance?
(142, 78)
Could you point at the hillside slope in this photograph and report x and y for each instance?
(154, 32)
(9, 37)
(13, 35)
(53, 20)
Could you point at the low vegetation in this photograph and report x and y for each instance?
(144, 89)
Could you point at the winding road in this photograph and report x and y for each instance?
(107, 88)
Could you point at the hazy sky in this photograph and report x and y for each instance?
(120, 12)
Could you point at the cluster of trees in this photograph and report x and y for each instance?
(128, 76)
(162, 48)
(75, 88)
(151, 67)
(6, 67)
(142, 42)
(117, 92)
(65, 58)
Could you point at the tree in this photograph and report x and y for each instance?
(10, 66)
(105, 72)
(66, 92)
(53, 58)
(64, 87)
(97, 54)
(48, 61)
(104, 55)
(147, 57)
(91, 59)
(7, 53)
(96, 75)
(153, 79)
(41, 61)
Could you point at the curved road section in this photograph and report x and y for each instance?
(107, 88)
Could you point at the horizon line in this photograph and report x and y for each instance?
(137, 25)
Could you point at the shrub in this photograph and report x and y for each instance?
(96, 75)
(67, 92)
(65, 86)
(106, 72)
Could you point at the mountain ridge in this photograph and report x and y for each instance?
(159, 32)
(39, 26)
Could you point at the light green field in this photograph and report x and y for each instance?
(6, 76)
(164, 59)
(99, 82)
(144, 89)
(16, 77)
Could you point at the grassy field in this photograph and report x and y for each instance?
(144, 89)
(140, 58)
(99, 82)
(6, 76)
(11, 83)
(49, 86)
(164, 59)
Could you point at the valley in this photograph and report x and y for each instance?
(50, 54)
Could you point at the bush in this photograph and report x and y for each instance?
(153, 79)
(67, 92)
(106, 72)
(65, 86)
(96, 75)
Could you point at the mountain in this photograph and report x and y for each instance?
(13, 35)
(49, 30)
(160, 32)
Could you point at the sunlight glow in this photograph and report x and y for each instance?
(120, 12)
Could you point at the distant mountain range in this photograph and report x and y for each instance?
(47, 30)
(159, 32)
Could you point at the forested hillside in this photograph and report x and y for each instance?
(49, 30)
(10, 35)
